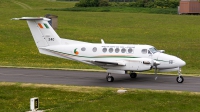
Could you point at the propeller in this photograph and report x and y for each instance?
(156, 63)
(156, 75)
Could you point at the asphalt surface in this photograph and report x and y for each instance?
(82, 78)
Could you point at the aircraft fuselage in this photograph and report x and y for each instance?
(130, 55)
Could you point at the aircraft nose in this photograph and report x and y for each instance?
(170, 61)
(181, 63)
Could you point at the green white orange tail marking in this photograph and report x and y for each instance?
(44, 25)
(76, 51)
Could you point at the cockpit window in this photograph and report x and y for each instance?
(153, 50)
(144, 51)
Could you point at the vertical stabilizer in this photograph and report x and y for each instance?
(42, 32)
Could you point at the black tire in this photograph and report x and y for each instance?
(180, 80)
(110, 78)
(133, 75)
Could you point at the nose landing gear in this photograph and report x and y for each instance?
(180, 78)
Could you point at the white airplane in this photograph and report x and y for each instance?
(115, 58)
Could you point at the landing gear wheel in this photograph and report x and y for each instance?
(133, 75)
(180, 79)
(110, 78)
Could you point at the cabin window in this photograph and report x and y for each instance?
(111, 50)
(130, 50)
(104, 50)
(83, 49)
(94, 49)
(123, 50)
(144, 51)
(117, 50)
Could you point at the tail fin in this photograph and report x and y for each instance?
(42, 32)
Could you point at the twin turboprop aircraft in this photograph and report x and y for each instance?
(115, 58)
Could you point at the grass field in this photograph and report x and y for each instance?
(15, 97)
(178, 35)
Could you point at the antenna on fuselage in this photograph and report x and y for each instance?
(102, 41)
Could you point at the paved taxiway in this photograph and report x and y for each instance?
(82, 78)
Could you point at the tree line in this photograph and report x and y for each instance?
(130, 3)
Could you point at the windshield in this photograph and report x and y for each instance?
(153, 50)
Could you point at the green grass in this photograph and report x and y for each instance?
(15, 97)
(178, 35)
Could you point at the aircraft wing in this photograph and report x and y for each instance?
(98, 62)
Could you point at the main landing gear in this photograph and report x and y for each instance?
(133, 75)
(180, 78)
(110, 78)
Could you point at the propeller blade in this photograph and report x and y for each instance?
(156, 73)
(155, 63)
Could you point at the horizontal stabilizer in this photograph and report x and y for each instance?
(31, 18)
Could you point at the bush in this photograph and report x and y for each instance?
(174, 4)
(167, 3)
(87, 3)
(155, 3)
(135, 3)
(104, 3)
(149, 4)
(92, 3)
(132, 4)
(140, 3)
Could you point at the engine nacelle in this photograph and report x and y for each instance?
(140, 64)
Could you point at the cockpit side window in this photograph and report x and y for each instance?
(153, 50)
(149, 52)
(144, 51)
